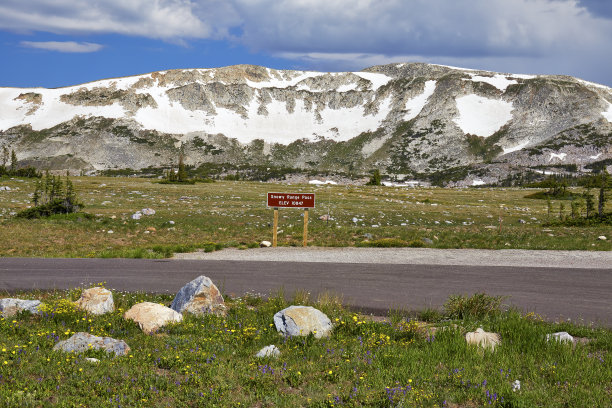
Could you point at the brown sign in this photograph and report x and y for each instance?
(291, 200)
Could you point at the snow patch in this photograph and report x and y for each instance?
(482, 116)
(582, 81)
(478, 182)
(415, 105)
(499, 81)
(595, 157)
(608, 114)
(517, 147)
(278, 126)
(51, 111)
(377, 80)
(319, 182)
(560, 156)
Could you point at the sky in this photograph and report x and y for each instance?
(54, 43)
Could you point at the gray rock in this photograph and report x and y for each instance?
(81, 342)
(367, 235)
(11, 306)
(301, 321)
(427, 241)
(268, 351)
(200, 296)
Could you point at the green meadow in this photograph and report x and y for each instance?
(396, 361)
(233, 214)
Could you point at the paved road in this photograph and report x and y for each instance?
(556, 293)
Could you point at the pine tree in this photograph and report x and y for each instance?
(375, 180)
(13, 161)
(37, 191)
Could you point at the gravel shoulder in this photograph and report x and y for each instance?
(414, 256)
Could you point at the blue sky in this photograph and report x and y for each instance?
(54, 43)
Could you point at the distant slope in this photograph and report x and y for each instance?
(410, 120)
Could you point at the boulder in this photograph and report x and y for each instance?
(11, 306)
(268, 351)
(483, 339)
(199, 297)
(151, 316)
(81, 342)
(560, 336)
(301, 321)
(97, 301)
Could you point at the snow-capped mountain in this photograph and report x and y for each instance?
(404, 119)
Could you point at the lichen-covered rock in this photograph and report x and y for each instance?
(199, 297)
(301, 321)
(11, 306)
(81, 342)
(97, 301)
(151, 316)
(483, 339)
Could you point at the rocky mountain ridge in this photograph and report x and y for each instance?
(408, 120)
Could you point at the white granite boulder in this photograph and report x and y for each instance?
(268, 351)
(81, 342)
(301, 321)
(151, 316)
(97, 301)
(560, 337)
(199, 297)
(483, 339)
(11, 306)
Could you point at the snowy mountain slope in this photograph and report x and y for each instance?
(403, 118)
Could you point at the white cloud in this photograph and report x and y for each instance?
(529, 35)
(162, 19)
(63, 46)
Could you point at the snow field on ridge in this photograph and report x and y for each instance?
(415, 105)
(608, 114)
(482, 116)
(499, 81)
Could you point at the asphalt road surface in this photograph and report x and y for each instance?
(555, 293)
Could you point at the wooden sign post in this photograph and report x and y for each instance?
(290, 200)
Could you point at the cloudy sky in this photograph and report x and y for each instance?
(55, 43)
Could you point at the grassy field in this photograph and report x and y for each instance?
(235, 214)
(209, 361)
